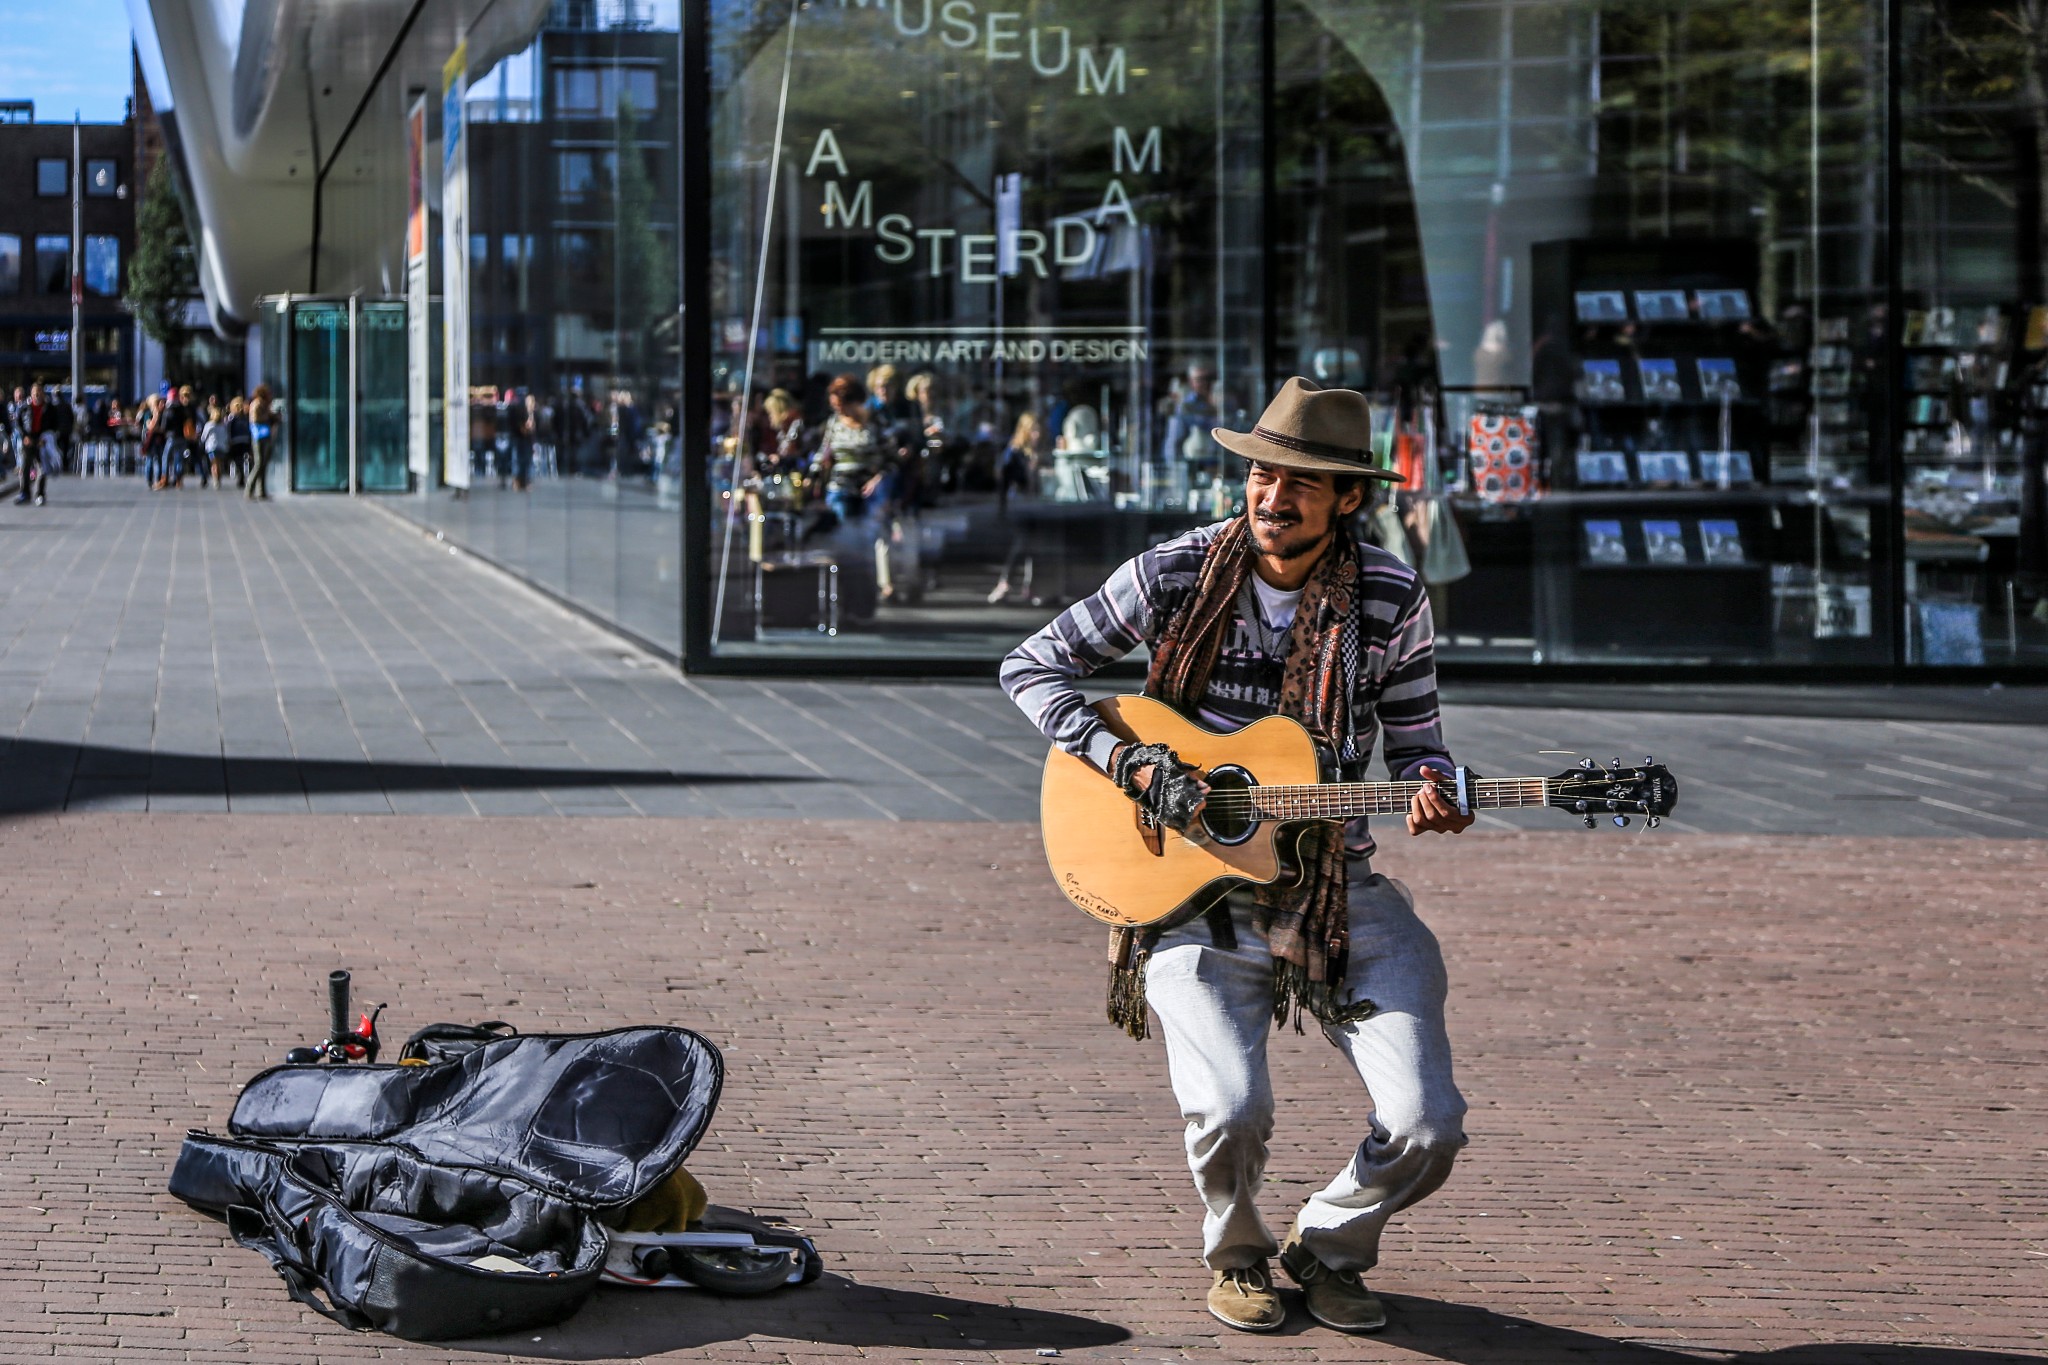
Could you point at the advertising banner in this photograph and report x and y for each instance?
(455, 271)
(419, 351)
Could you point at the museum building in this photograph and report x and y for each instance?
(864, 335)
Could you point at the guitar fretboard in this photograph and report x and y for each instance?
(1342, 800)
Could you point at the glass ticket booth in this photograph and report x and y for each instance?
(337, 368)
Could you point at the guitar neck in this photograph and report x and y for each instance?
(1342, 800)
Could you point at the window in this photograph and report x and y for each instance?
(10, 263)
(596, 92)
(576, 89)
(579, 174)
(53, 175)
(585, 173)
(102, 179)
(516, 260)
(637, 84)
(53, 264)
(103, 266)
(577, 253)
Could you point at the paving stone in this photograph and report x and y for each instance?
(1714, 1080)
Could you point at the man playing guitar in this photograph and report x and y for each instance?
(1281, 611)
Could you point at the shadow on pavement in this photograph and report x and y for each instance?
(1470, 1335)
(833, 1311)
(39, 775)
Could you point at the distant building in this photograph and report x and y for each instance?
(35, 250)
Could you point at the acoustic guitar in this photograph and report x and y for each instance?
(1265, 781)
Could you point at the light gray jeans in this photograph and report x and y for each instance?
(1215, 1007)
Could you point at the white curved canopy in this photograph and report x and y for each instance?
(257, 97)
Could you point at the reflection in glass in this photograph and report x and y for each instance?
(1974, 338)
(982, 280)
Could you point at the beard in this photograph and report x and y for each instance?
(1285, 538)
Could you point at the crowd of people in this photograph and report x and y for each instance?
(167, 437)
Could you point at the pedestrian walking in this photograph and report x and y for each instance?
(262, 428)
(241, 443)
(213, 438)
(181, 429)
(35, 448)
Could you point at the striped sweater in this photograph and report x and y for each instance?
(1395, 692)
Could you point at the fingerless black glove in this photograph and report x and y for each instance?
(1174, 793)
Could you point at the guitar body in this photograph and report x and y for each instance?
(1101, 855)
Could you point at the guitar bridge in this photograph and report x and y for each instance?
(1153, 834)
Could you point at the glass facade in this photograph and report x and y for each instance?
(870, 333)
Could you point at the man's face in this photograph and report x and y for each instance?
(35, 393)
(1292, 511)
(1202, 382)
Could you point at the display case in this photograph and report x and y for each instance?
(1973, 398)
(1699, 505)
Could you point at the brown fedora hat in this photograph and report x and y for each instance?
(1310, 427)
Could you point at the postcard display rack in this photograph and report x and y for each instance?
(1661, 541)
(1974, 405)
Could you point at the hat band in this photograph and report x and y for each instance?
(1306, 447)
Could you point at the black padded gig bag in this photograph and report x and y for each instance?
(459, 1199)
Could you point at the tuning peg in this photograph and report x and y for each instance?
(1621, 822)
(1582, 806)
(1648, 761)
(1586, 763)
(1652, 822)
(1591, 823)
(1614, 763)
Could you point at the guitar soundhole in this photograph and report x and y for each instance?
(1228, 819)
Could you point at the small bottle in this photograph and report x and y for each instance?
(1219, 497)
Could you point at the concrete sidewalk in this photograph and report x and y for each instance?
(190, 651)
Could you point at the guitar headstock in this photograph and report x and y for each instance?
(1646, 789)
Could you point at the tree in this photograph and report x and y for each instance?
(164, 272)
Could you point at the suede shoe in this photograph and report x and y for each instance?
(1244, 1298)
(1338, 1299)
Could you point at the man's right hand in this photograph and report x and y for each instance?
(1144, 777)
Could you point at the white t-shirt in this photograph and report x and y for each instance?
(1245, 684)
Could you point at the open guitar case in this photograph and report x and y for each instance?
(375, 1189)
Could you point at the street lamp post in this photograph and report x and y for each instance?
(77, 264)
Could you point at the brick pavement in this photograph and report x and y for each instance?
(1766, 1099)
(194, 652)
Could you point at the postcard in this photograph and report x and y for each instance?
(1660, 380)
(1662, 305)
(1718, 381)
(1597, 467)
(1664, 542)
(1601, 382)
(1604, 544)
(1663, 466)
(1722, 305)
(1600, 305)
(1721, 542)
(1725, 467)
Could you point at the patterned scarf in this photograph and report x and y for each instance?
(1306, 922)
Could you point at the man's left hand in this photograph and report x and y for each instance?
(1431, 812)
